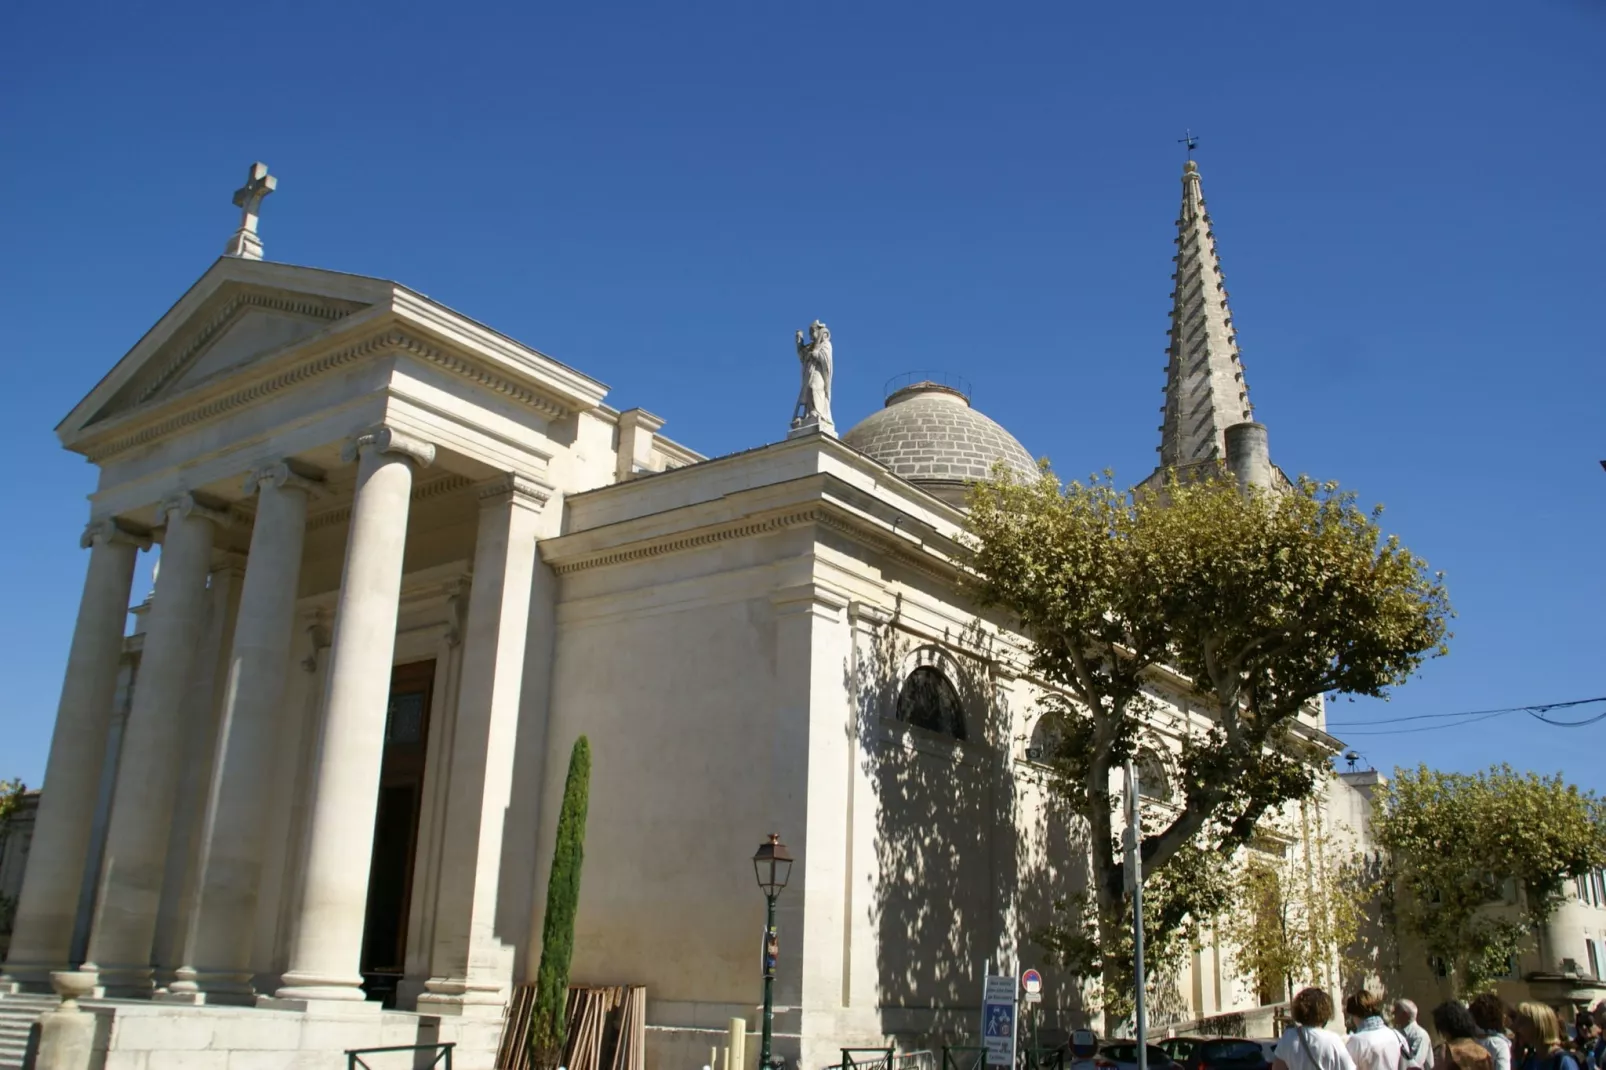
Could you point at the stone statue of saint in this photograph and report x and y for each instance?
(814, 399)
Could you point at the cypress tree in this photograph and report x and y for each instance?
(547, 1023)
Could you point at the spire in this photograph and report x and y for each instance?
(1205, 392)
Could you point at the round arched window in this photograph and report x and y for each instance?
(928, 700)
(1047, 743)
(1153, 783)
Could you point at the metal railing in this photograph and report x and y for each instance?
(963, 1057)
(1043, 1058)
(354, 1056)
(883, 1058)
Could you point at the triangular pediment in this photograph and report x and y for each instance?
(239, 325)
(239, 313)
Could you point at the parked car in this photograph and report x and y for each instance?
(1123, 1055)
(1217, 1053)
(1181, 1048)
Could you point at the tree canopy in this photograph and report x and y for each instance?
(1481, 860)
(1250, 604)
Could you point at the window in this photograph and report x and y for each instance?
(1047, 740)
(1594, 961)
(1153, 783)
(928, 700)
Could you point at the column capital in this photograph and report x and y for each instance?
(522, 490)
(386, 439)
(187, 507)
(108, 529)
(280, 474)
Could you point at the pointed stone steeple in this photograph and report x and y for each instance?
(1205, 392)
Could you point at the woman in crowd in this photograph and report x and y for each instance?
(1489, 1011)
(1372, 1044)
(1459, 1040)
(1306, 1045)
(1538, 1039)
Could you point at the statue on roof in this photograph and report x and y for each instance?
(813, 410)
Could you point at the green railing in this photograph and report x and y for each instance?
(1043, 1058)
(354, 1056)
(963, 1057)
(868, 1058)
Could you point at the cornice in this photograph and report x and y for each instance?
(208, 402)
(657, 547)
(311, 306)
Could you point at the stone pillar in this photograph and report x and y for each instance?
(471, 966)
(326, 950)
(192, 806)
(217, 963)
(48, 904)
(147, 773)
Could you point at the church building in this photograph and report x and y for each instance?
(309, 804)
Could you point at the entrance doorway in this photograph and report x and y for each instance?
(401, 792)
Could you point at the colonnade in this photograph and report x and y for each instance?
(326, 935)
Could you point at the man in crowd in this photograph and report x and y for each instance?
(1418, 1048)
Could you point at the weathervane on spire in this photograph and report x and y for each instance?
(1189, 139)
(248, 199)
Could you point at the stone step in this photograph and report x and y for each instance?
(18, 1013)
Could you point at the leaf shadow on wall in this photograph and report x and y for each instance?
(959, 879)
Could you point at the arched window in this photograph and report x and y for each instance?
(1153, 783)
(1047, 742)
(928, 700)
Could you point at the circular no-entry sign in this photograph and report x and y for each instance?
(1031, 981)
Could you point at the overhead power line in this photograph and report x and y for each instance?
(1467, 717)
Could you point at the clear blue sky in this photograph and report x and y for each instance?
(1408, 201)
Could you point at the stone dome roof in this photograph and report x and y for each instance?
(928, 434)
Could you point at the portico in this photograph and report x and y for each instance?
(289, 421)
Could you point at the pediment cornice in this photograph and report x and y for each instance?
(298, 365)
(164, 383)
(228, 305)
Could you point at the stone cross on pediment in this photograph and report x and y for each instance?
(248, 198)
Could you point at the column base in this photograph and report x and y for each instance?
(321, 1008)
(315, 993)
(198, 987)
(462, 998)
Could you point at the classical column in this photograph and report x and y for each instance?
(326, 950)
(47, 907)
(471, 967)
(218, 954)
(147, 773)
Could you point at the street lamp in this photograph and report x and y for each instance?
(772, 865)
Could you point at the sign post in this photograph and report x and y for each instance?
(1134, 874)
(998, 1020)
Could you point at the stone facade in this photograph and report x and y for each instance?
(405, 561)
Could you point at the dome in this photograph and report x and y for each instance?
(928, 434)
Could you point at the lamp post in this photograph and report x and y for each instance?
(772, 865)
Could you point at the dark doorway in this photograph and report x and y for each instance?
(401, 790)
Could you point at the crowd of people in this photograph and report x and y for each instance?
(1483, 1035)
